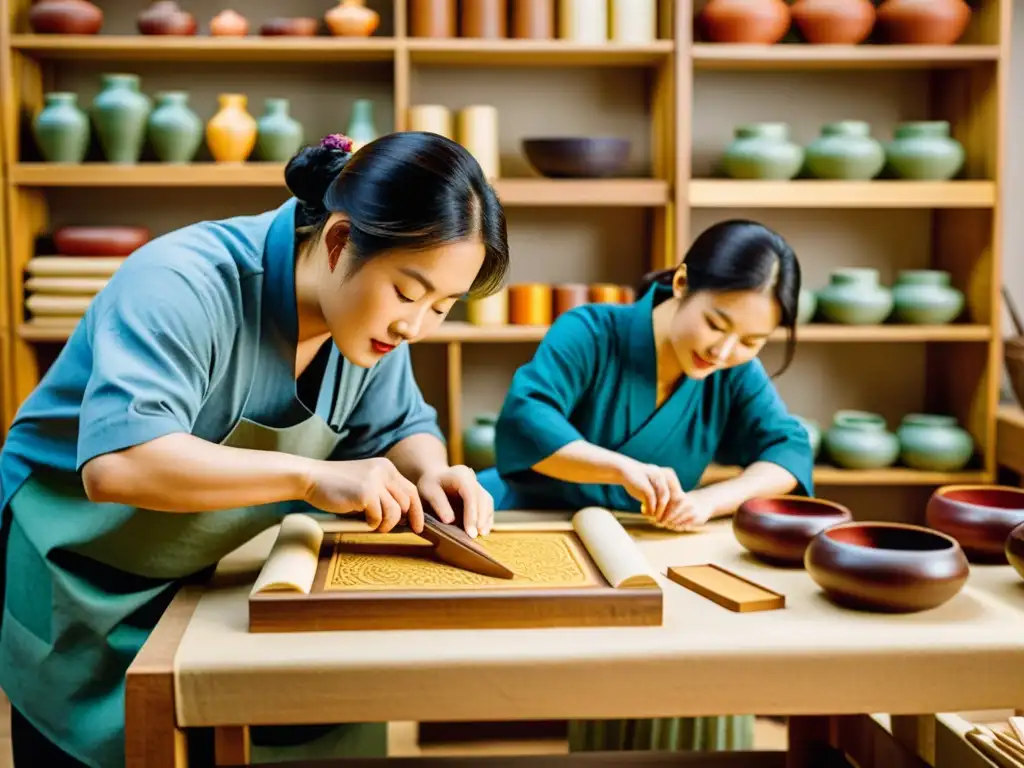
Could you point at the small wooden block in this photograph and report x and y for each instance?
(726, 588)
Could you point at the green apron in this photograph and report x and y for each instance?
(86, 584)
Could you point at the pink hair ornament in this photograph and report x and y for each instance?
(337, 141)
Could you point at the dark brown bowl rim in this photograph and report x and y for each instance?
(563, 139)
(943, 490)
(954, 545)
(839, 508)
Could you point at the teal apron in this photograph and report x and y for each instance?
(666, 734)
(86, 584)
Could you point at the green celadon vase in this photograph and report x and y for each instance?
(478, 442)
(61, 129)
(934, 443)
(120, 113)
(855, 297)
(845, 150)
(860, 440)
(175, 131)
(925, 151)
(762, 151)
(278, 135)
(926, 297)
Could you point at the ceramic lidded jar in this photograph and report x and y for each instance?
(860, 440)
(119, 114)
(351, 18)
(231, 133)
(361, 127)
(926, 297)
(845, 150)
(923, 22)
(762, 151)
(478, 442)
(745, 21)
(278, 135)
(807, 305)
(834, 22)
(934, 443)
(229, 24)
(165, 17)
(65, 17)
(61, 129)
(855, 297)
(175, 131)
(925, 151)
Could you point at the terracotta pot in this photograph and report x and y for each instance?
(165, 17)
(1015, 549)
(231, 133)
(569, 296)
(300, 26)
(777, 529)
(980, 517)
(745, 21)
(843, 22)
(886, 567)
(229, 24)
(529, 304)
(923, 22)
(65, 17)
(99, 241)
(351, 18)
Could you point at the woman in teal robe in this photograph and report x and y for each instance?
(625, 407)
(230, 372)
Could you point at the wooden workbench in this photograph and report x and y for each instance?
(202, 668)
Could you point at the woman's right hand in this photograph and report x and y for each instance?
(656, 488)
(374, 485)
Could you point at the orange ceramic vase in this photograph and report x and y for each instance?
(351, 18)
(231, 133)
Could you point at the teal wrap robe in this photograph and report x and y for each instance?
(594, 378)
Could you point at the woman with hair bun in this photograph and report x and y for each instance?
(230, 372)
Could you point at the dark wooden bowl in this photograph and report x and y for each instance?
(777, 529)
(1014, 549)
(99, 241)
(577, 158)
(980, 517)
(886, 567)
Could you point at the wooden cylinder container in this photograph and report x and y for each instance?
(533, 19)
(432, 118)
(605, 293)
(569, 296)
(484, 18)
(478, 132)
(490, 310)
(529, 304)
(433, 18)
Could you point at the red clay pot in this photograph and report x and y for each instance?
(745, 21)
(834, 22)
(886, 567)
(980, 517)
(99, 241)
(777, 529)
(923, 22)
(1015, 549)
(65, 17)
(290, 27)
(165, 17)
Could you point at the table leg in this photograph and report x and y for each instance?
(231, 745)
(152, 736)
(810, 740)
(916, 733)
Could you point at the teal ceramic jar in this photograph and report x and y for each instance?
(763, 151)
(926, 297)
(361, 126)
(855, 297)
(925, 151)
(61, 129)
(860, 440)
(934, 443)
(807, 305)
(845, 150)
(175, 131)
(813, 433)
(478, 442)
(120, 112)
(278, 135)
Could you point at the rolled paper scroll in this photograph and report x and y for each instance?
(490, 310)
(291, 565)
(613, 550)
(432, 118)
(478, 132)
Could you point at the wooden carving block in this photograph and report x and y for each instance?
(726, 588)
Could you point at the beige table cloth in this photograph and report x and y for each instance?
(811, 657)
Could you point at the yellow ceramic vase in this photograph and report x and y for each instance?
(231, 133)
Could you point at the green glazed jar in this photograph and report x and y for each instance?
(120, 112)
(478, 442)
(763, 151)
(855, 297)
(925, 151)
(926, 297)
(175, 131)
(807, 305)
(278, 135)
(934, 443)
(813, 434)
(361, 127)
(61, 129)
(860, 440)
(845, 150)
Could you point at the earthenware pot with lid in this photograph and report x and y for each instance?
(934, 442)
(925, 150)
(980, 517)
(745, 21)
(845, 150)
(923, 22)
(860, 440)
(926, 297)
(854, 296)
(762, 151)
(844, 22)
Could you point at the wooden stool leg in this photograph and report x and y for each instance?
(916, 733)
(810, 740)
(231, 745)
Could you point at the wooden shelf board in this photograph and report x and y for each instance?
(802, 56)
(730, 193)
(203, 48)
(825, 475)
(533, 191)
(493, 53)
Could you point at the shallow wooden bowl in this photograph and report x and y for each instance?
(980, 517)
(777, 529)
(577, 158)
(99, 241)
(1014, 549)
(886, 567)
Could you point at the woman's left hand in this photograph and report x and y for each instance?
(477, 505)
(695, 510)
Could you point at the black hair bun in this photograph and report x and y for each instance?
(312, 171)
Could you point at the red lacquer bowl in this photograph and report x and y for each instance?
(980, 517)
(99, 241)
(886, 567)
(778, 529)
(1014, 549)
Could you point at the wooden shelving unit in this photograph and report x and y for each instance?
(661, 208)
